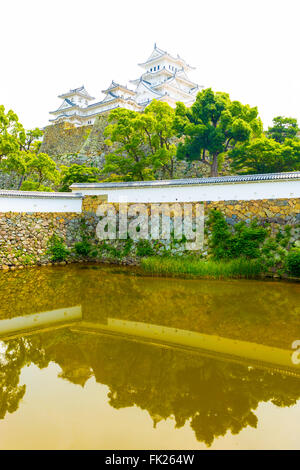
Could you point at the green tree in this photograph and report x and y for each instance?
(12, 134)
(212, 126)
(265, 155)
(283, 128)
(144, 142)
(78, 174)
(42, 168)
(19, 152)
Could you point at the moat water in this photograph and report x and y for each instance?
(96, 357)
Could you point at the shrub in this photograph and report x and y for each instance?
(57, 249)
(292, 264)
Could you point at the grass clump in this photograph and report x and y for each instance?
(197, 267)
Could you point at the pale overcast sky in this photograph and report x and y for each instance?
(248, 48)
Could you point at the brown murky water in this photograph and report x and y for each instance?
(103, 358)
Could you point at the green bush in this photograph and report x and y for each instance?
(292, 263)
(144, 248)
(57, 249)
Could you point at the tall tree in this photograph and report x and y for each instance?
(283, 128)
(212, 126)
(144, 142)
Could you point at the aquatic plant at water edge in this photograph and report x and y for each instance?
(195, 266)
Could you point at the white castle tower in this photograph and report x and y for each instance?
(164, 79)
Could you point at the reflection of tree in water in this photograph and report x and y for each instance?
(17, 354)
(214, 396)
(12, 361)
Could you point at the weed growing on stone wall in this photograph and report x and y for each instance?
(144, 248)
(292, 262)
(57, 249)
(109, 250)
(244, 240)
(252, 241)
(127, 247)
(275, 249)
(83, 248)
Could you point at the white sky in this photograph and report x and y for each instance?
(248, 48)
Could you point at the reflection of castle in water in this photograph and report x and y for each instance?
(225, 348)
(168, 375)
(212, 377)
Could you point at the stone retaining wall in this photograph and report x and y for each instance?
(85, 145)
(24, 236)
(277, 212)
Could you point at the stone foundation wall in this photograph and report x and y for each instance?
(85, 145)
(277, 213)
(9, 180)
(24, 236)
(64, 138)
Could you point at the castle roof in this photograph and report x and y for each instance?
(81, 91)
(114, 85)
(158, 54)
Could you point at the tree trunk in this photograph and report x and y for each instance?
(21, 181)
(214, 166)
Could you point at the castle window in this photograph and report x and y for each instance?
(158, 67)
(154, 69)
(150, 70)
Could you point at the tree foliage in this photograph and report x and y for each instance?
(283, 128)
(12, 134)
(78, 174)
(19, 153)
(212, 125)
(144, 142)
(265, 155)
